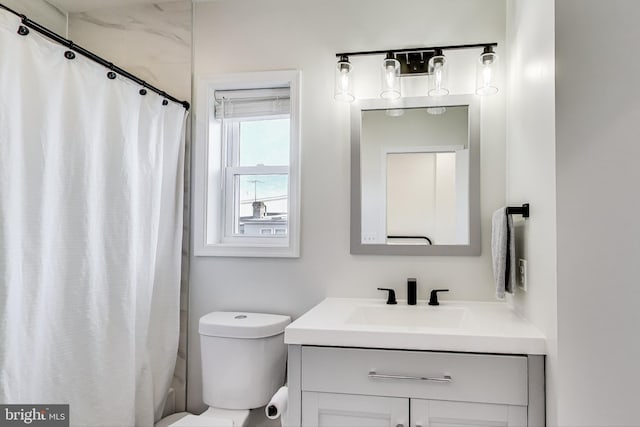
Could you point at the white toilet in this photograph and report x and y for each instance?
(243, 365)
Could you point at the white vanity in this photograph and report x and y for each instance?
(361, 363)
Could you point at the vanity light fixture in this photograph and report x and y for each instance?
(420, 61)
(344, 80)
(485, 73)
(390, 88)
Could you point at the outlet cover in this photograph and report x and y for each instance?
(522, 274)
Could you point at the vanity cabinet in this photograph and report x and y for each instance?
(341, 410)
(337, 387)
(438, 413)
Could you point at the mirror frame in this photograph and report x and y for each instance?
(474, 246)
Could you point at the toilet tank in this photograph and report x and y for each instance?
(243, 358)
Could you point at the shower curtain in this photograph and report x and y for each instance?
(91, 176)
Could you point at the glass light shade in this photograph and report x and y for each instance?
(435, 111)
(394, 112)
(344, 81)
(438, 75)
(390, 82)
(486, 73)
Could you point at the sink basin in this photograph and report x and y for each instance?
(408, 316)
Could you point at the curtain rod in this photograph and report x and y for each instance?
(88, 54)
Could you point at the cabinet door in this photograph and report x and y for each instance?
(436, 413)
(340, 410)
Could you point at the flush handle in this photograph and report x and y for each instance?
(443, 379)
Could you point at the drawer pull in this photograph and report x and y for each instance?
(442, 379)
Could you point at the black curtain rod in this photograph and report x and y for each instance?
(88, 54)
(417, 49)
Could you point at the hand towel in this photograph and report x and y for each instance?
(503, 251)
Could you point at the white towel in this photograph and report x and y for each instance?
(503, 250)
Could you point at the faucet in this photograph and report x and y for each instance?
(433, 298)
(412, 291)
(391, 298)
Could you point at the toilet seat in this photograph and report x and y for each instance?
(215, 417)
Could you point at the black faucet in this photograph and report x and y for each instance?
(433, 298)
(391, 298)
(412, 291)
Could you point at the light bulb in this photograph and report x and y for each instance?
(344, 81)
(343, 90)
(390, 82)
(485, 76)
(437, 69)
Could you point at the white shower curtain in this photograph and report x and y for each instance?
(91, 177)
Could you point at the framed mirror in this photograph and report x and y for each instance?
(415, 176)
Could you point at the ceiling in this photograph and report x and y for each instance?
(77, 6)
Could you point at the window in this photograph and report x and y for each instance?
(247, 166)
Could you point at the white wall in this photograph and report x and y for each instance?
(598, 149)
(152, 41)
(251, 35)
(531, 177)
(42, 12)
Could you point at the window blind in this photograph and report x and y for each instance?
(251, 102)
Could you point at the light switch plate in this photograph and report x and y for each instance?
(522, 274)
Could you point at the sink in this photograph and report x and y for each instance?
(408, 316)
(466, 326)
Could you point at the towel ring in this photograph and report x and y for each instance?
(519, 210)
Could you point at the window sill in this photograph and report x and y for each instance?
(253, 251)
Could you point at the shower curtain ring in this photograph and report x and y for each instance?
(111, 74)
(22, 30)
(143, 91)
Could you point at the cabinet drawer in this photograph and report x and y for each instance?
(418, 374)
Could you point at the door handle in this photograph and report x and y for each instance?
(443, 379)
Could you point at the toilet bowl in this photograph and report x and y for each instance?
(243, 365)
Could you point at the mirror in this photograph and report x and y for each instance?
(415, 176)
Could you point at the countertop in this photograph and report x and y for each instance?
(485, 327)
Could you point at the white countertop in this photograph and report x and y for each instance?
(482, 327)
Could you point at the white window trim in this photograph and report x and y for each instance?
(208, 184)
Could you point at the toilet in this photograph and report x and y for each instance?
(243, 365)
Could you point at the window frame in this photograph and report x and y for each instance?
(212, 175)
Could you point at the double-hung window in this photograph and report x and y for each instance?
(251, 168)
(256, 132)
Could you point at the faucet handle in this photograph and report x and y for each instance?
(391, 298)
(433, 298)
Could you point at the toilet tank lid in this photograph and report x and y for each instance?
(234, 324)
